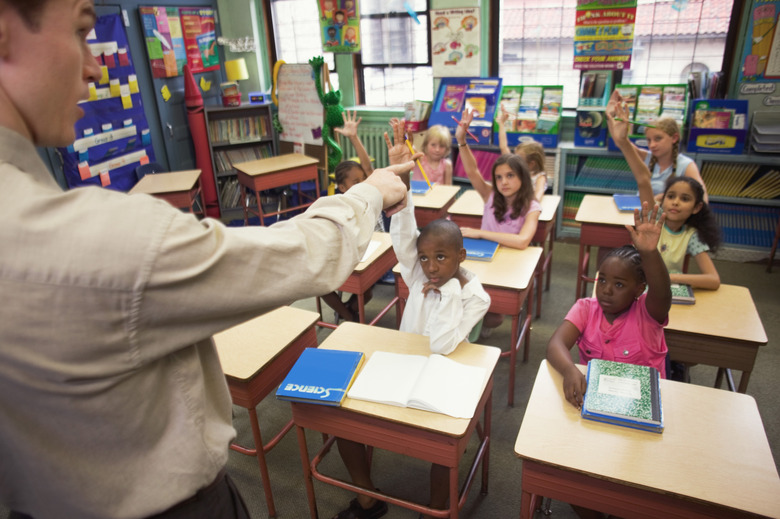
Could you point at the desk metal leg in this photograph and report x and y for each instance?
(269, 498)
(301, 433)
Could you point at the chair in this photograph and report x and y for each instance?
(148, 169)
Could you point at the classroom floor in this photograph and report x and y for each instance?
(409, 478)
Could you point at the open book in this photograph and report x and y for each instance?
(433, 383)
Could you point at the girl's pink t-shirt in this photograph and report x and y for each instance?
(633, 337)
(436, 176)
(508, 225)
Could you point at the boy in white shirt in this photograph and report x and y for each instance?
(445, 302)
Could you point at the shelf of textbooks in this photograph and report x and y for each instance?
(648, 103)
(744, 190)
(718, 126)
(591, 125)
(237, 134)
(458, 93)
(534, 114)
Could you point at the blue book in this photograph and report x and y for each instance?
(482, 250)
(419, 187)
(623, 394)
(321, 376)
(627, 202)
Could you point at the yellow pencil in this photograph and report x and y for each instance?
(411, 150)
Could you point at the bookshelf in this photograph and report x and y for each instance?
(744, 190)
(237, 134)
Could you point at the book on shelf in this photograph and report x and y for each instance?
(478, 249)
(434, 383)
(321, 376)
(627, 203)
(682, 294)
(623, 394)
(419, 187)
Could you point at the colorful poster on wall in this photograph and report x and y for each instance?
(113, 137)
(761, 53)
(200, 40)
(455, 42)
(340, 25)
(164, 41)
(604, 35)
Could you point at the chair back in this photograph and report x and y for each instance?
(148, 169)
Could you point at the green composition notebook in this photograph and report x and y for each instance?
(682, 294)
(623, 394)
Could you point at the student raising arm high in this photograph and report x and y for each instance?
(690, 226)
(511, 212)
(531, 152)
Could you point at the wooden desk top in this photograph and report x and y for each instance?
(602, 209)
(368, 339)
(248, 347)
(713, 448)
(471, 204)
(510, 268)
(436, 198)
(385, 243)
(728, 312)
(275, 164)
(174, 181)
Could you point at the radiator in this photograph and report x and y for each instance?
(372, 137)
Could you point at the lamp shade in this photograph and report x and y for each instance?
(235, 70)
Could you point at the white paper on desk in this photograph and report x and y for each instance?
(435, 383)
(372, 246)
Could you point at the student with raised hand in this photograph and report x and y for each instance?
(663, 159)
(511, 213)
(107, 368)
(445, 302)
(622, 323)
(690, 228)
(530, 151)
(349, 130)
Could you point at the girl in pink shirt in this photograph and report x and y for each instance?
(511, 211)
(436, 150)
(622, 323)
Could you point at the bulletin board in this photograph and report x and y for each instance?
(178, 35)
(300, 110)
(113, 137)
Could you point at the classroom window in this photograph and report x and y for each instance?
(672, 38)
(296, 29)
(395, 63)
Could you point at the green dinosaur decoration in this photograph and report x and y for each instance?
(331, 101)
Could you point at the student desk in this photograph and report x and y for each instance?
(179, 188)
(507, 279)
(467, 212)
(366, 274)
(712, 460)
(256, 356)
(424, 435)
(602, 225)
(721, 329)
(434, 204)
(261, 174)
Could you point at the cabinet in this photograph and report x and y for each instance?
(744, 190)
(237, 134)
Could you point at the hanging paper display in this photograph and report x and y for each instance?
(604, 34)
(113, 137)
(178, 35)
(200, 40)
(340, 25)
(455, 42)
(164, 41)
(761, 52)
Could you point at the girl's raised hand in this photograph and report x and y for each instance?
(397, 150)
(618, 129)
(502, 116)
(646, 230)
(465, 122)
(351, 123)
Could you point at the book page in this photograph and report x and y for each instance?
(448, 387)
(388, 378)
(372, 246)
